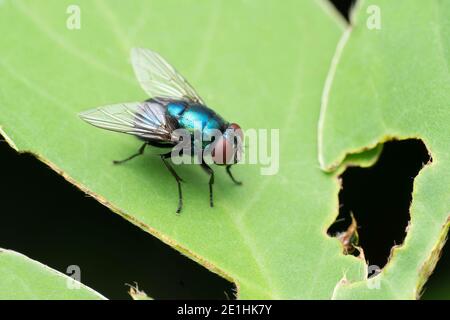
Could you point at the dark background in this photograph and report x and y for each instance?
(34, 222)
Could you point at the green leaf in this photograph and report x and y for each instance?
(24, 278)
(400, 88)
(257, 63)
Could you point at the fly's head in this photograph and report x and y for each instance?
(228, 148)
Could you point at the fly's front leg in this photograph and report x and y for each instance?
(177, 178)
(209, 171)
(139, 153)
(231, 175)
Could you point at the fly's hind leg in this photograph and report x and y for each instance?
(209, 171)
(177, 178)
(139, 153)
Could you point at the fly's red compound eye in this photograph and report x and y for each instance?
(227, 150)
(237, 131)
(223, 151)
(238, 140)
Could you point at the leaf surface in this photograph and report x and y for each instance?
(23, 278)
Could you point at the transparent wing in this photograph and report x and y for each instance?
(159, 79)
(142, 119)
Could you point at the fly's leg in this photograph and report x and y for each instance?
(209, 171)
(139, 153)
(231, 175)
(177, 178)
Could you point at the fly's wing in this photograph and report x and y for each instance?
(145, 120)
(159, 79)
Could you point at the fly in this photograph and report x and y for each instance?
(173, 105)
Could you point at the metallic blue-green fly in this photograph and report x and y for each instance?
(173, 105)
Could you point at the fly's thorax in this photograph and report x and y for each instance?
(200, 122)
(199, 117)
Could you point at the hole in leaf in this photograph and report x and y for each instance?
(49, 220)
(344, 6)
(379, 197)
